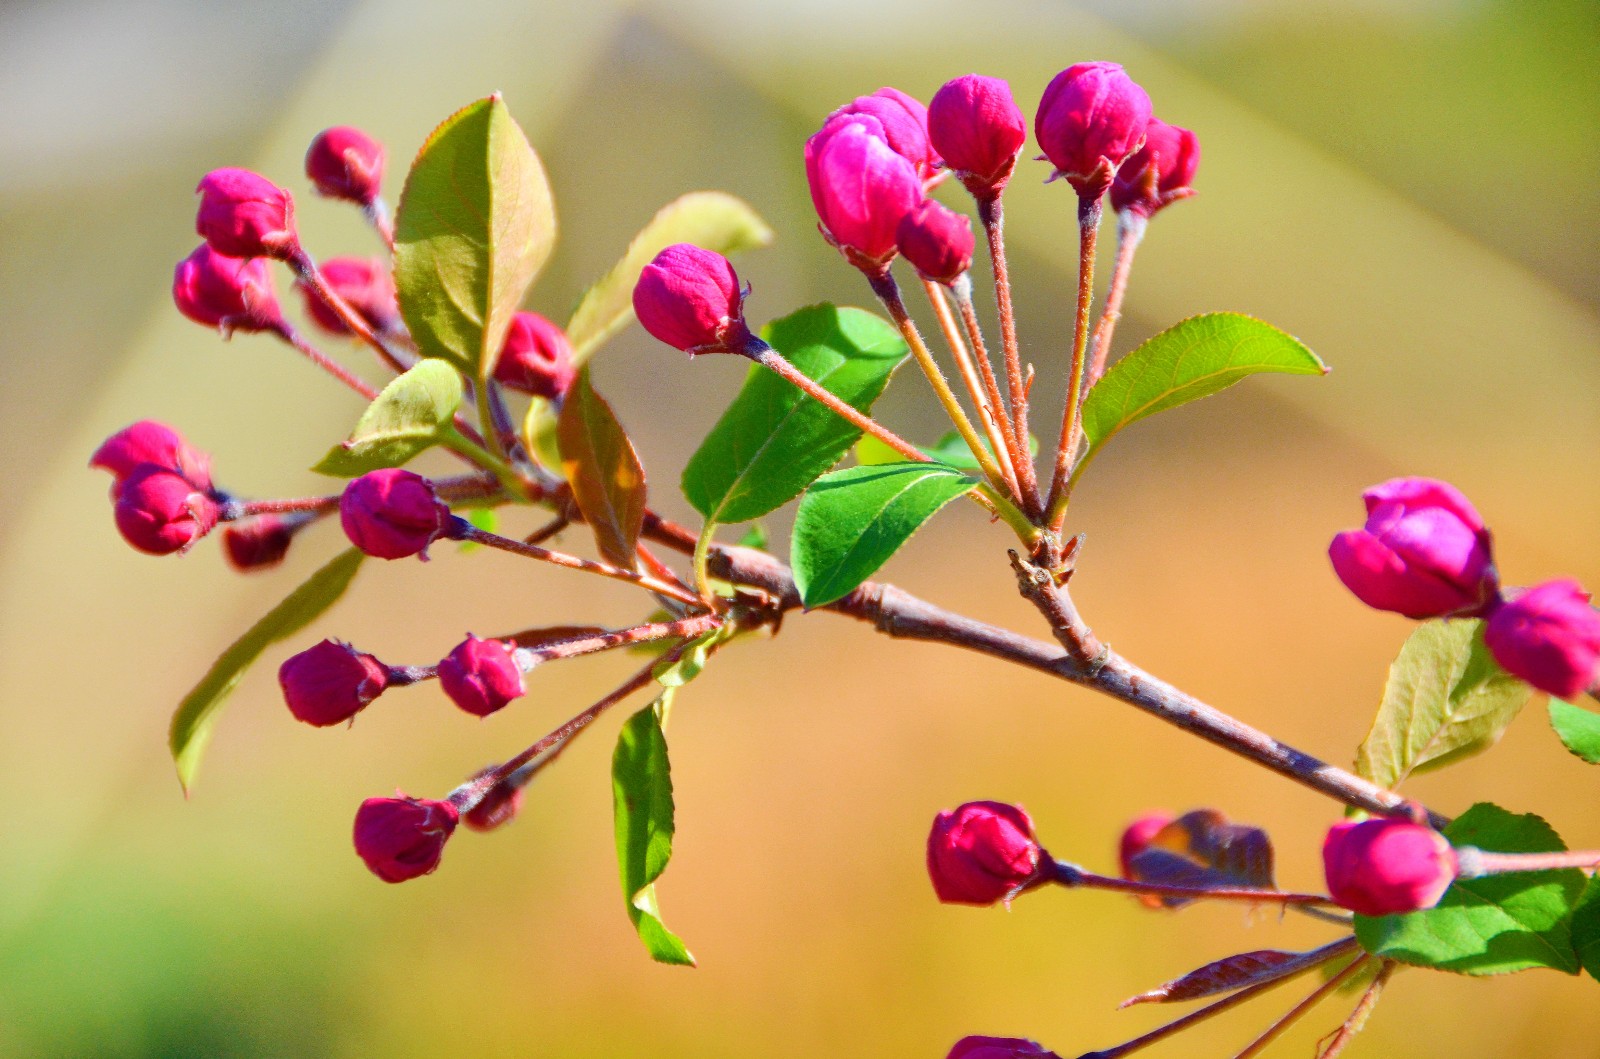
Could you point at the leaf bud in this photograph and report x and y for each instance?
(690, 299)
(982, 852)
(536, 358)
(974, 122)
(243, 214)
(228, 293)
(937, 241)
(1091, 118)
(1383, 867)
(403, 838)
(1548, 636)
(159, 511)
(345, 163)
(330, 683)
(392, 513)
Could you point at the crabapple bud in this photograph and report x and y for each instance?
(331, 682)
(536, 357)
(258, 543)
(403, 838)
(690, 299)
(1136, 838)
(1091, 118)
(498, 807)
(392, 513)
(366, 284)
(999, 1048)
(243, 214)
(1159, 173)
(1382, 867)
(977, 126)
(981, 852)
(345, 163)
(159, 511)
(937, 241)
(1423, 552)
(861, 189)
(230, 293)
(149, 443)
(481, 676)
(904, 123)
(1548, 636)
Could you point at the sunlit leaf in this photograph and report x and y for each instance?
(1578, 728)
(641, 784)
(408, 417)
(711, 220)
(949, 450)
(197, 714)
(604, 470)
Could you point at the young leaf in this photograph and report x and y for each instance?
(604, 471)
(1445, 699)
(1578, 728)
(474, 226)
(1190, 360)
(773, 441)
(1586, 929)
(850, 522)
(1494, 924)
(693, 660)
(711, 220)
(641, 785)
(1226, 975)
(1204, 848)
(197, 714)
(406, 418)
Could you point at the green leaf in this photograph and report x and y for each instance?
(409, 416)
(1494, 924)
(711, 220)
(641, 786)
(485, 519)
(692, 661)
(1445, 699)
(1578, 728)
(754, 537)
(1190, 360)
(851, 521)
(474, 226)
(773, 441)
(197, 714)
(604, 470)
(949, 450)
(1586, 929)
(539, 433)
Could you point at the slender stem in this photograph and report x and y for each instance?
(461, 530)
(284, 330)
(572, 647)
(1072, 876)
(1358, 1018)
(1088, 231)
(702, 556)
(774, 361)
(548, 530)
(377, 214)
(1475, 862)
(494, 439)
(999, 441)
(991, 214)
(453, 439)
(1296, 1013)
(1130, 230)
(316, 505)
(1017, 447)
(657, 568)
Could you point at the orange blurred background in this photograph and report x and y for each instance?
(1408, 187)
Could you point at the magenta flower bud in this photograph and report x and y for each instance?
(159, 511)
(243, 214)
(497, 808)
(1136, 839)
(403, 838)
(977, 126)
(1092, 117)
(366, 284)
(229, 293)
(981, 852)
(1548, 636)
(1160, 173)
(536, 357)
(392, 513)
(861, 188)
(904, 124)
(999, 1048)
(258, 543)
(690, 299)
(937, 241)
(481, 676)
(148, 443)
(1423, 553)
(1382, 867)
(331, 683)
(346, 163)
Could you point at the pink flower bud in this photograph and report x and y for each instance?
(1160, 173)
(976, 125)
(690, 299)
(1548, 636)
(1423, 553)
(998, 1048)
(1382, 867)
(148, 443)
(229, 293)
(159, 511)
(258, 543)
(243, 214)
(366, 284)
(346, 163)
(392, 513)
(481, 676)
(403, 838)
(904, 123)
(1136, 838)
(981, 852)
(861, 188)
(536, 357)
(497, 808)
(1092, 117)
(331, 683)
(937, 241)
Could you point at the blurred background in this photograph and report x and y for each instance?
(1406, 185)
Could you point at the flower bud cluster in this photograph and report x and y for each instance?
(162, 494)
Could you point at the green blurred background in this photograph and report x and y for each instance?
(1409, 187)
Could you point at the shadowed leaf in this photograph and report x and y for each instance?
(1586, 929)
(1202, 848)
(604, 471)
(1578, 728)
(408, 417)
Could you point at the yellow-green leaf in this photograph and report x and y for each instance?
(604, 471)
(411, 414)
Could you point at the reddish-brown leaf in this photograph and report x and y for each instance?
(604, 471)
(1225, 975)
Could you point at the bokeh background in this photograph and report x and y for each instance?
(1406, 185)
